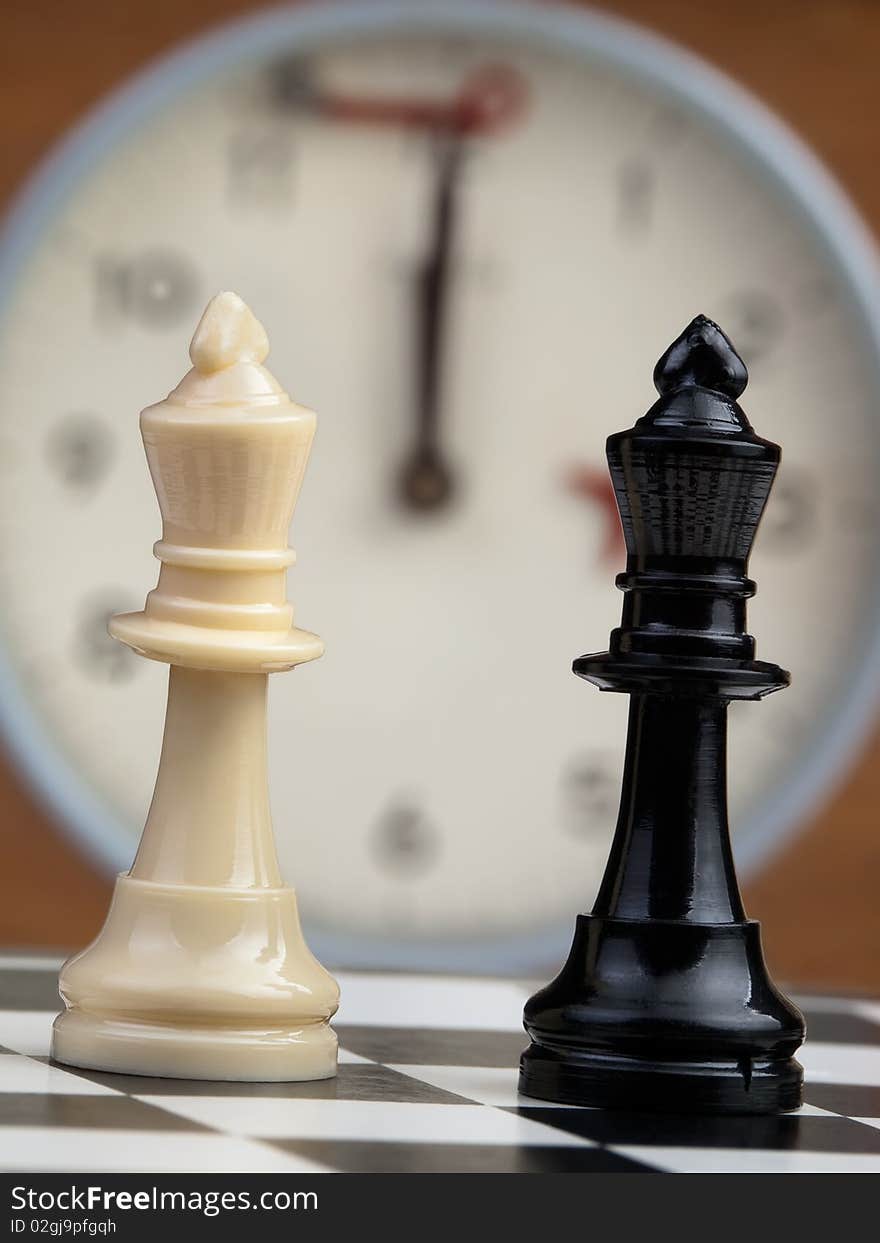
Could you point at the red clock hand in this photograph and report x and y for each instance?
(592, 484)
(488, 100)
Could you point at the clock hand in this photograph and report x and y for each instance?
(488, 101)
(485, 102)
(592, 484)
(492, 97)
(426, 481)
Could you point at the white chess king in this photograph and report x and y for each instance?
(201, 970)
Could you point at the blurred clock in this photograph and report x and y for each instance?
(471, 229)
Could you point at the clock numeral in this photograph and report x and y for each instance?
(404, 840)
(99, 654)
(790, 518)
(816, 295)
(155, 289)
(754, 322)
(260, 168)
(635, 196)
(79, 449)
(291, 84)
(590, 795)
(668, 129)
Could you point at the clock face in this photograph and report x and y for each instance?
(440, 781)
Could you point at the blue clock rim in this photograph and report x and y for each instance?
(776, 154)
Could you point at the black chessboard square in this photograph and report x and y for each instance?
(855, 1100)
(423, 1046)
(30, 989)
(110, 1112)
(359, 1157)
(776, 1131)
(352, 1082)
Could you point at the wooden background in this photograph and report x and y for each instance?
(815, 62)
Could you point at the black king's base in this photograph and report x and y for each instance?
(707, 1034)
(665, 1002)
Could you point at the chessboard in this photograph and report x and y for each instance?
(427, 1083)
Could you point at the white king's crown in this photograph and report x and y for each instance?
(227, 452)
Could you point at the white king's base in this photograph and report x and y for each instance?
(198, 983)
(169, 1050)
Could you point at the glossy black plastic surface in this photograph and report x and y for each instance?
(665, 1002)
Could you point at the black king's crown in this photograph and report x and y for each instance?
(665, 1002)
(691, 480)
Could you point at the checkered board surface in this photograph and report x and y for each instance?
(426, 1083)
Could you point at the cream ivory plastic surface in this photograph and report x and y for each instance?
(201, 970)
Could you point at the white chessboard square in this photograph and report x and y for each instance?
(489, 1085)
(869, 1010)
(388, 1000)
(840, 1063)
(346, 1057)
(27, 1031)
(31, 963)
(23, 1074)
(374, 1121)
(119, 1151)
(811, 1111)
(829, 1004)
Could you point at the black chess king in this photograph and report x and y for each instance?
(665, 1002)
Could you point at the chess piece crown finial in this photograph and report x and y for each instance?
(699, 378)
(703, 356)
(227, 333)
(228, 349)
